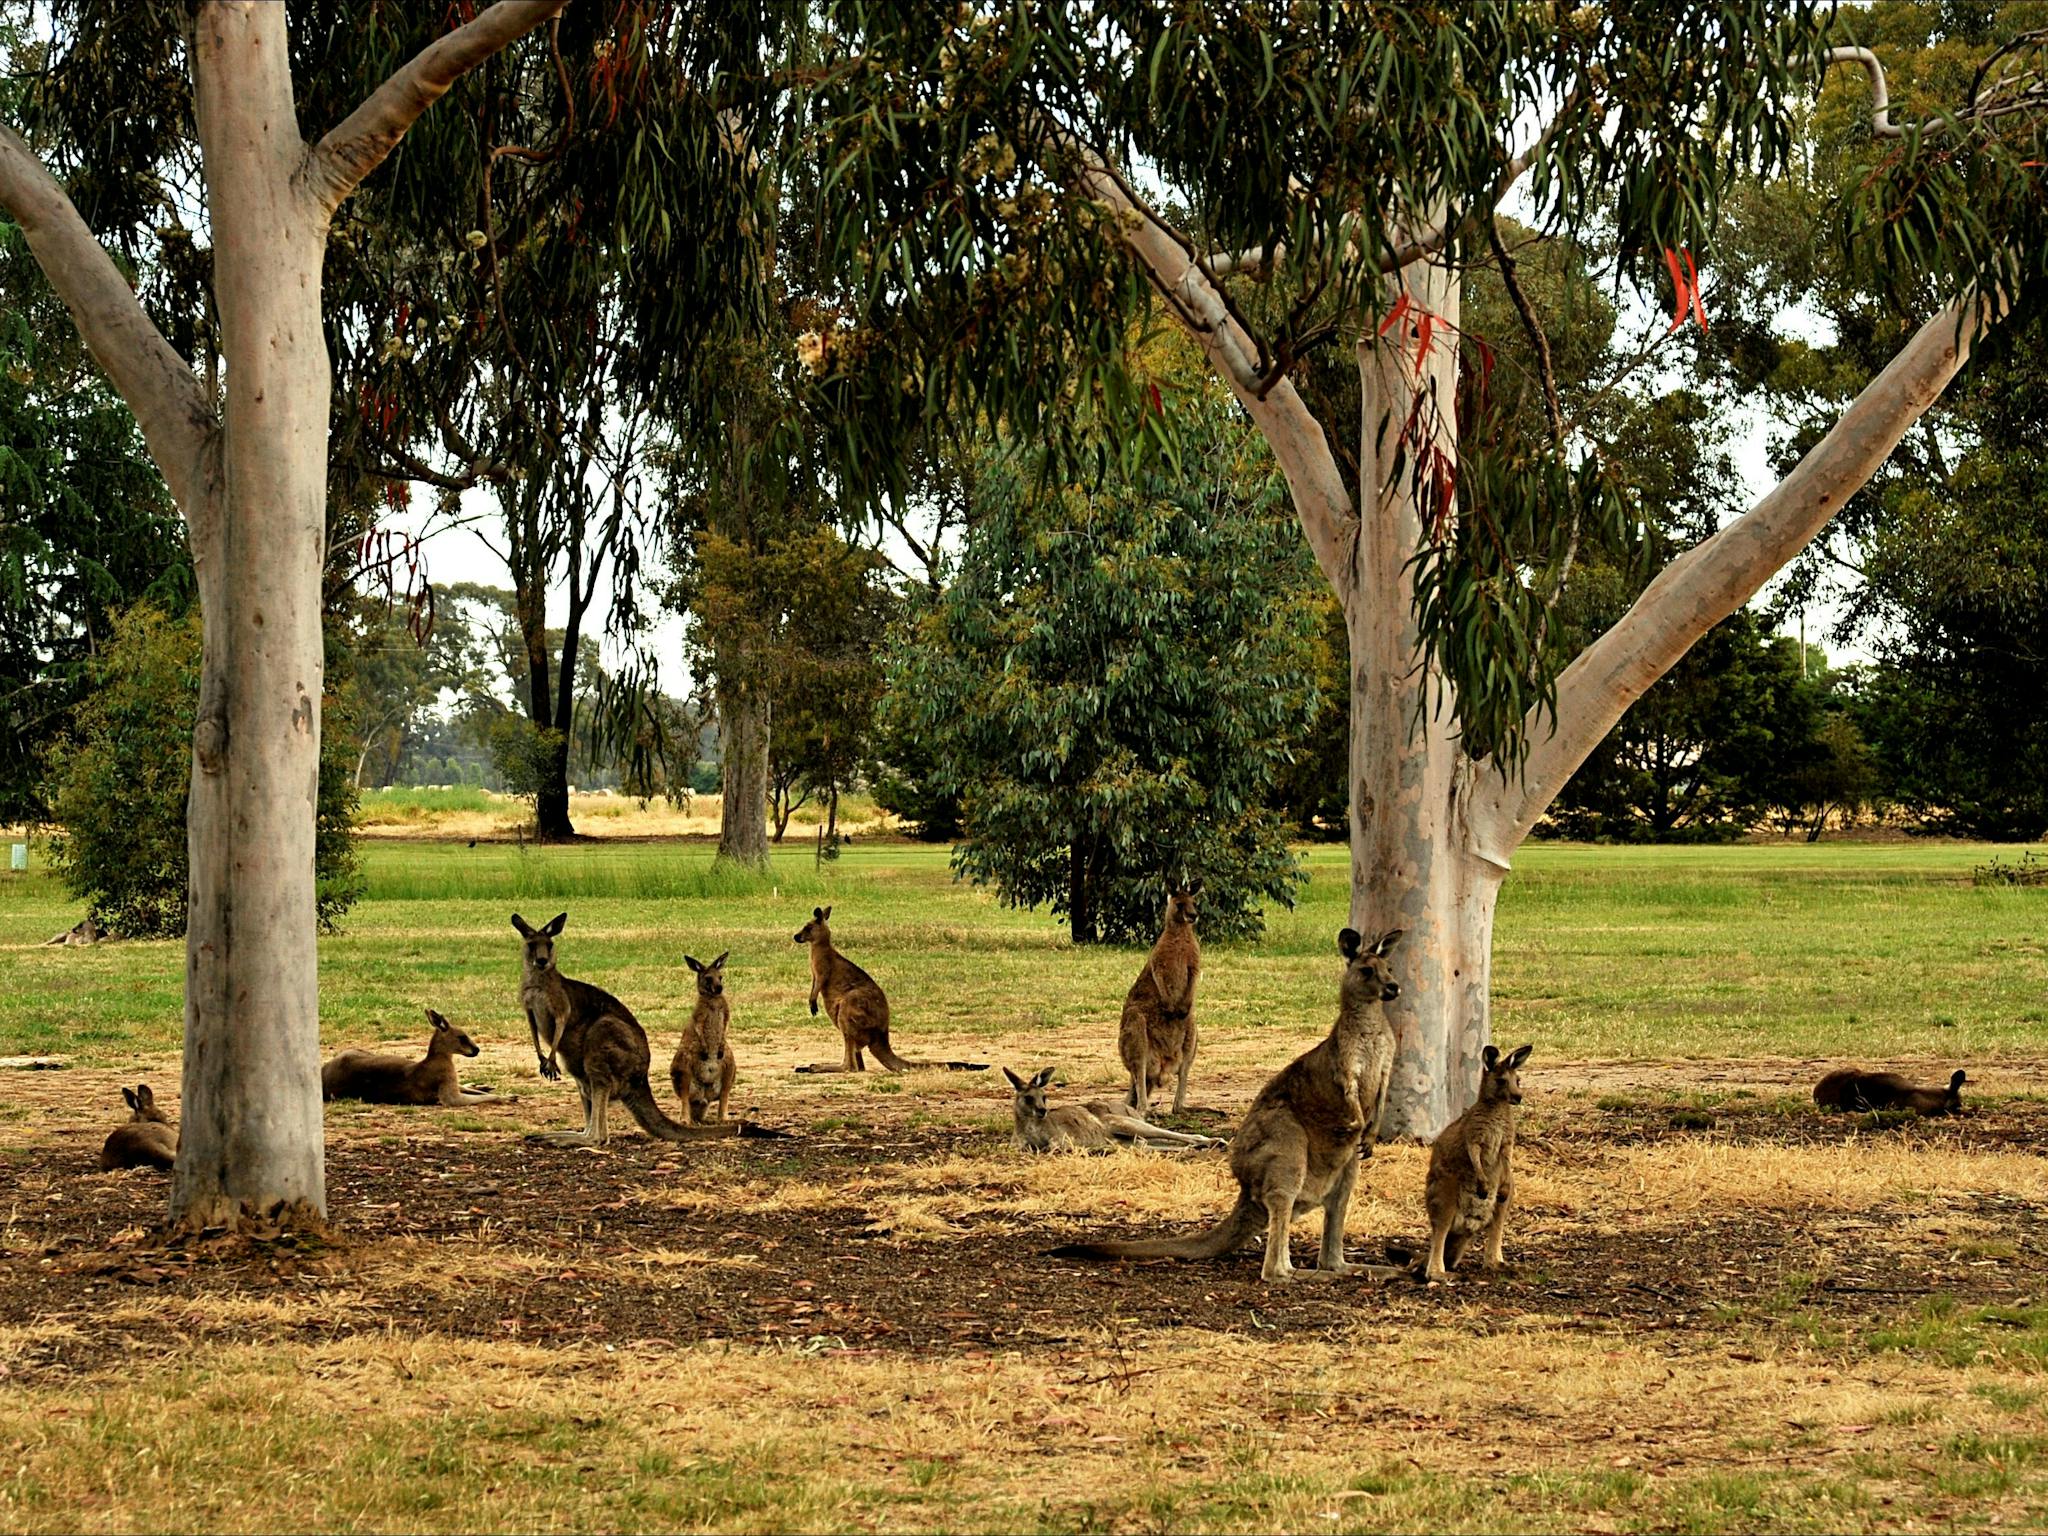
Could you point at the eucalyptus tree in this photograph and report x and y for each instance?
(1302, 189)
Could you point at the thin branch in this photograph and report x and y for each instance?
(359, 144)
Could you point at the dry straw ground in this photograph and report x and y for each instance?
(1723, 1310)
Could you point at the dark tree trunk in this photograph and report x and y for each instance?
(743, 770)
(1080, 893)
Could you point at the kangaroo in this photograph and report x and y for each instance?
(704, 1068)
(547, 1008)
(604, 1048)
(1086, 1127)
(857, 1005)
(1851, 1089)
(379, 1079)
(1471, 1179)
(1299, 1144)
(148, 1140)
(1157, 1035)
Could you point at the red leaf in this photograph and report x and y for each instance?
(1679, 294)
(1394, 315)
(1424, 334)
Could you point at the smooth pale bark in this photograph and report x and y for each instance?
(743, 770)
(1432, 832)
(251, 482)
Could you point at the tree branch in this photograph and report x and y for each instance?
(359, 144)
(175, 413)
(1709, 582)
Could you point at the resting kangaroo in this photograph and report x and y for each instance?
(1086, 1127)
(604, 1049)
(1850, 1089)
(1298, 1146)
(379, 1079)
(1157, 1036)
(1471, 1179)
(857, 1005)
(148, 1140)
(704, 1068)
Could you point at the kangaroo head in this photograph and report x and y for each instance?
(815, 931)
(143, 1102)
(1183, 904)
(1500, 1077)
(1031, 1095)
(710, 978)
(1368, 978)
(1955, 1090)
(448, 1039)
(540, 942)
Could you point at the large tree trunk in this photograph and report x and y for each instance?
(743, 772)
(250, 1141)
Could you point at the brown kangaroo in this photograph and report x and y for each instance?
(379, 1079)
(1851, 1089)
(1299, 1144)
(148, 1140)
(855, 1003)
(1086, 1127)
(546, 1008)
(1471, 1179)
(704, 1066)
(1157, 1035)
(604, 1048)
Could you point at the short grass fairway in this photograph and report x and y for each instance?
(1723, 1311)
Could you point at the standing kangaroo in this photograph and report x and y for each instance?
(855, 1003)
(1471, 1179)
(1851, 1089)
(1298, 1146)
(1086, 1127)
(379, 1079)
(148, 1140)
(603, 1047)
(1157, 1035)
(547, 1008)
(704, 1067)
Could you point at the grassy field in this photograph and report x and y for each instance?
(1723, 1310)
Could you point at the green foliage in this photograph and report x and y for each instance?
(120, 783)
(1113, 681)
(529, 758)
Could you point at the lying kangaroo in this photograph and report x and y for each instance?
(379, 1079)
(148, 1140)
(857, 1005)
(1298, 1146)
(1851, 1089)
(604, 1048)
(545, 1009)
(1086, 1127)
(1471, 1179)
(704, 1067)
(1157, 1035)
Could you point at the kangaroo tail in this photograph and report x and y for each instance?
(638, 1098)
(895, 1063)
(1229, 1233)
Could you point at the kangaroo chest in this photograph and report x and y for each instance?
(542, 995)
(1494, 1143)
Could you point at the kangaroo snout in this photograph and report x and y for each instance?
(1391, 991)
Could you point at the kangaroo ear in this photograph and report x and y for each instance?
(824, 914)
(1195, 886)
(524, 927)
(817, 914)
(1044, 1077)
(557, 924)
(143, 1095)
(1387, 940)
(1348, 942)
(128, 1098)
(1489, 1056)
(1519, 1055)
(1016, 1082)
(436, 1020)
(694, 963)
(718, 963)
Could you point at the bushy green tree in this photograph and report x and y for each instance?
(1114, 680)
(119, 784)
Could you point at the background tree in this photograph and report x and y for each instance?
(1111, 680)
(1327, 176)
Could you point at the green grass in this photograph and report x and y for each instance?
(424, 804)
(1834, 950)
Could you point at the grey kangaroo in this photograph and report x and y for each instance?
(1157, 1035)
(1471, 1179)
(377, 1079)
(1851, 1089)
(148, 1140)
(1299, 1144)
(704, 1067)
(1086, 1127)
(604, 1048)
(855, 1003)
